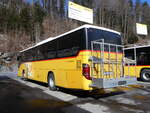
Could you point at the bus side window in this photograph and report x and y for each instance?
(75, 50)
(70, 45)
(51, 49)
(142, 59)
(39, 54)
(51, 54)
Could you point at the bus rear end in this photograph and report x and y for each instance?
(106, 60)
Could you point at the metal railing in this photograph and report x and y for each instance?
(104, 64)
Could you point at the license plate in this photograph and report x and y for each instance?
(108, 73)
(122, 82)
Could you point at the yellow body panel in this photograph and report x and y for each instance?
(108, 66)
(67, 71)
(135, 70)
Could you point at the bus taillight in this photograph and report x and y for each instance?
(86, 71)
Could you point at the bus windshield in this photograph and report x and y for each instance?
(109, 37)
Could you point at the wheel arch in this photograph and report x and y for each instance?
(142, 70)
(50, 72)
(143, 77)
(23, 71)
(51, 77)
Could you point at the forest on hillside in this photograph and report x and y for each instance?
(23, 24)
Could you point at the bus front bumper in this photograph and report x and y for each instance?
(111, 83)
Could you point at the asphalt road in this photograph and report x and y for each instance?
(18, 96)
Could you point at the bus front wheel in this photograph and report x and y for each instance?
(51, 82)
(145, 75)
(23, 75)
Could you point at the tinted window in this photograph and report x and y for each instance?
(109, 37)
(66, 46)
(70, 44)
(129, 54)
(51, 49)
(39, 53)
(143, 56)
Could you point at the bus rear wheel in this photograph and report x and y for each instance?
(145, 75)
(51, 82)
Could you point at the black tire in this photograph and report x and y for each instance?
(51, 82)
(23, 75)
(145, 75)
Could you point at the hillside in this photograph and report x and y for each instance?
(23, 24)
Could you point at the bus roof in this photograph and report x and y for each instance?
(81, 27)
(135, 46)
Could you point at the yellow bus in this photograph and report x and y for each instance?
(87, 58)
(142, 55)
